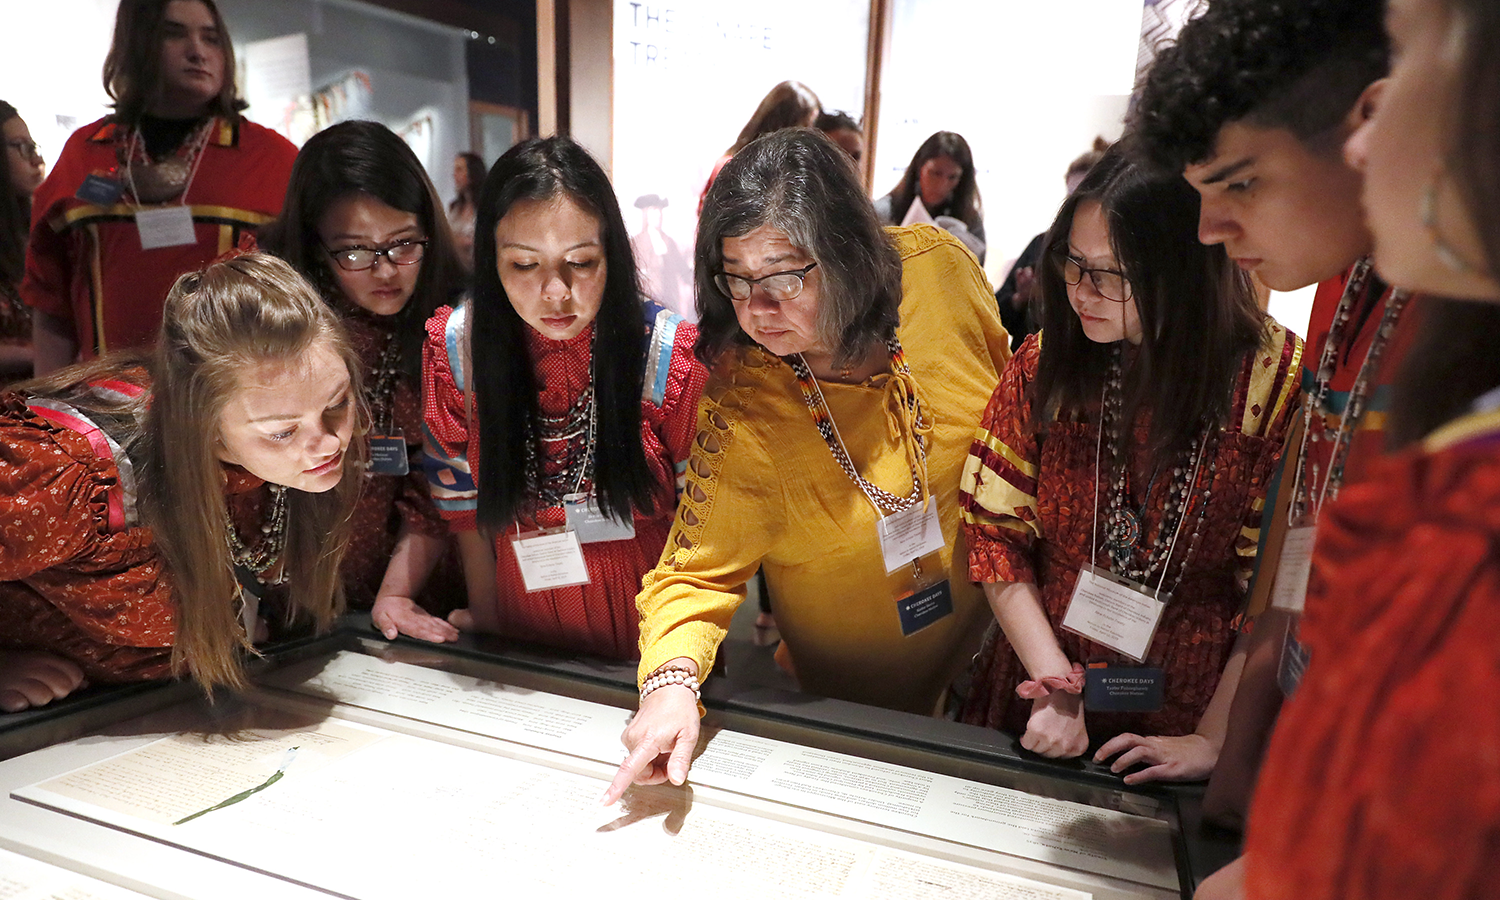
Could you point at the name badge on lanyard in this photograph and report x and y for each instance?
(909, 534)
(1294, 568)
(550, 559)
(1114, 612)
(589, 522)
(167, 226)
(388, 453)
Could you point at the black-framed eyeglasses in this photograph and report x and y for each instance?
(779, 286)
(357, 259)
(27, 149)
(1108, 283)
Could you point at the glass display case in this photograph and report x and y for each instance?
(363, 768)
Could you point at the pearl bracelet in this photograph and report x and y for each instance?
(675, 675)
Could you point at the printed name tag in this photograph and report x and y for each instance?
(168, 226)
(925, 606)
(589, 522)
(550, 560)
(1294, 568)
(389, 454)
(1123, 688)
(909, 534)
(99, 190)
(1294, 659)
(1114, 612)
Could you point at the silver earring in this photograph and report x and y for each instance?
(1446, 253)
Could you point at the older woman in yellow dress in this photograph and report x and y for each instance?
(849, 364)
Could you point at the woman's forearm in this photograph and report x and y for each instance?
(1018, 608)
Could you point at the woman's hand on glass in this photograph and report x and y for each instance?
(1189, 757)
(1056, 728)
(393, 615)
(659, 741)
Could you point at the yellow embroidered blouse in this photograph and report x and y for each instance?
(772, 496)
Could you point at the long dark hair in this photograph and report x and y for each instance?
(505, 387)
(803, 184)
(15, 215)
(964, 203)
(132, 69)
(366, 158)
(1452, 360)
(1197, 309)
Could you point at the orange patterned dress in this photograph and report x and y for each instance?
(1028, 504)
(79, 576)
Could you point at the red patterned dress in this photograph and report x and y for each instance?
(1028, 505)
(389, 502)
(1382, 780)
(79, 576)
(599, 617)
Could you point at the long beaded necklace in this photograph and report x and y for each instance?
(382, 385)
(1124, 527)
(1302, 501)
(883, 500)
(272, 544)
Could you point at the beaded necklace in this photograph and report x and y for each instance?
(1354, 409)
(167, 179)
(272, 544)
(884, 501)
(570, 436)
(382, 386)
(1124, 527)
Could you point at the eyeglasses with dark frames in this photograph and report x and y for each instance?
(779, 286)
(1108, 283)
(27, 149)
(357, 259)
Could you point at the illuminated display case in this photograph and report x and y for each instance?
(361, 768)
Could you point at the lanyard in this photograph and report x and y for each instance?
(884, 502)
(200, 143)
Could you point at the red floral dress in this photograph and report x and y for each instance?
(389, 502)
(599, 617)
(79, 577)
(1028, 505)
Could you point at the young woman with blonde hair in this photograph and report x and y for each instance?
(145, 510)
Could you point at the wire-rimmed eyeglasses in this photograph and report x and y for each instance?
(357, 259)
(779, 286)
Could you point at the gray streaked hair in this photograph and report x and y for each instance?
(801, 183)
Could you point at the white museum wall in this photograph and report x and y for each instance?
(687, 78)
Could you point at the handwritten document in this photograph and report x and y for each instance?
(1105, 842)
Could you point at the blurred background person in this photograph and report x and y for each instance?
(1017, 292)
(468, 176)
(941, 176)
(790, 104)
(21, 172)
(843, 130)
(169, 181)
(364, 224)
